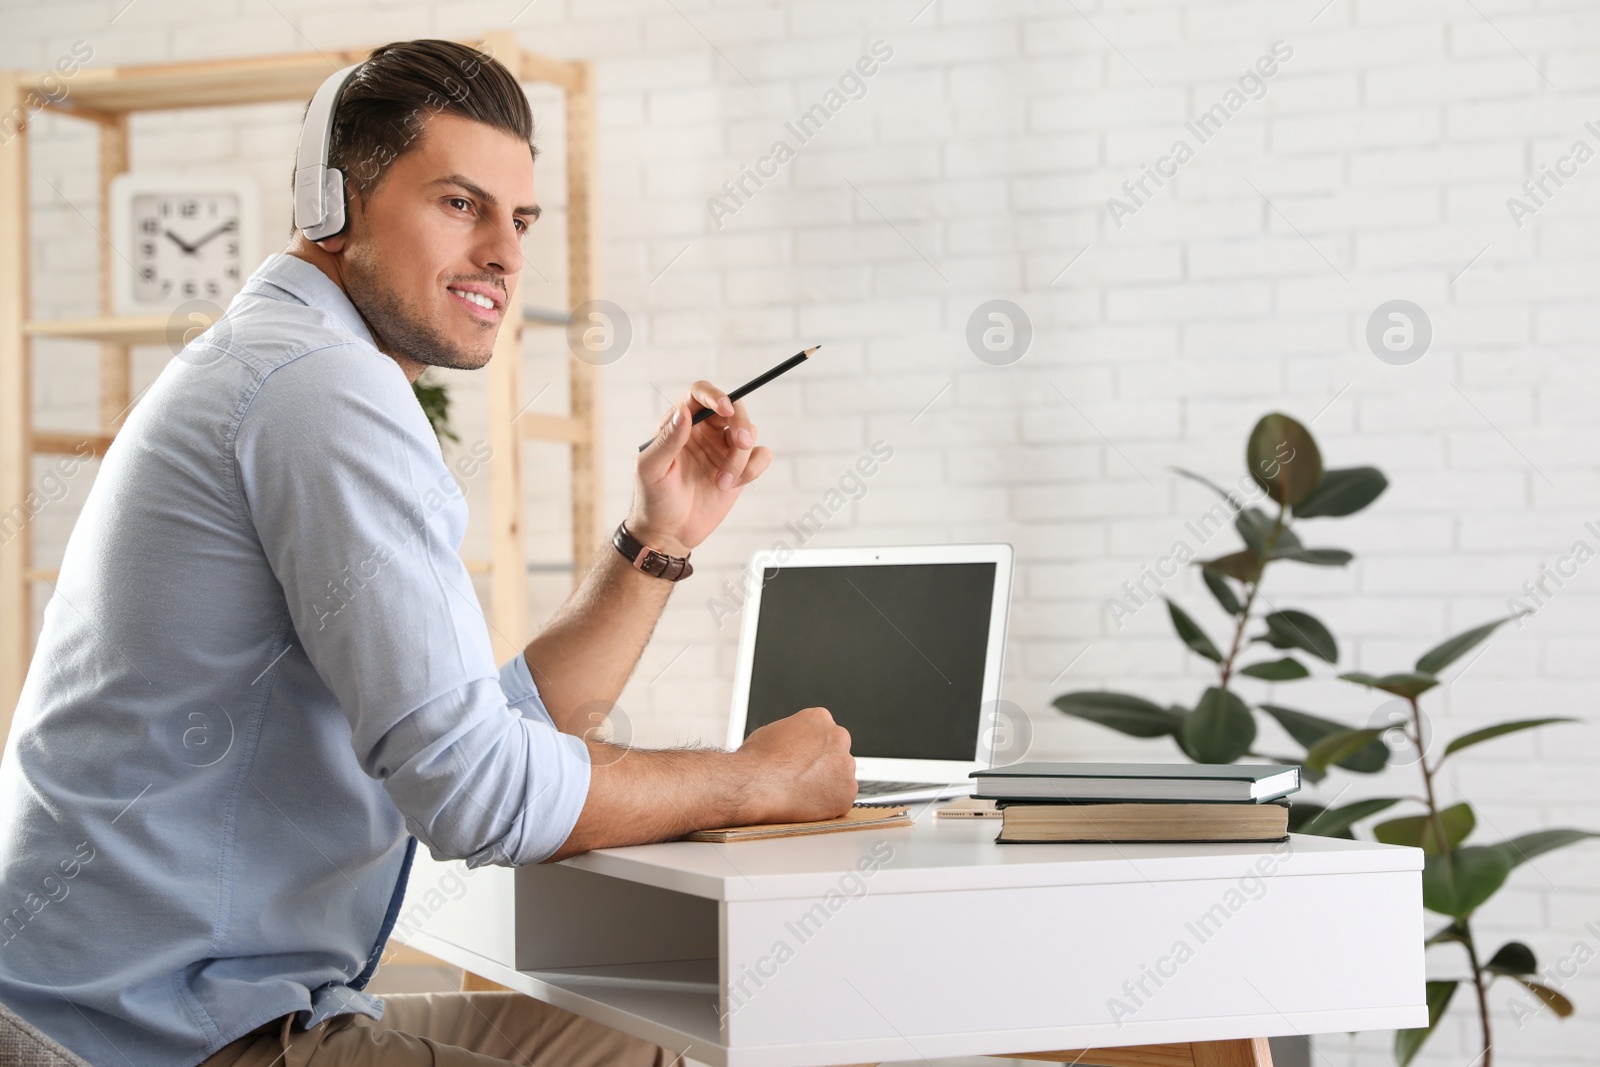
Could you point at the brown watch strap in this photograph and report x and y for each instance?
(651, 561)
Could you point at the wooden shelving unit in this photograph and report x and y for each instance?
(106, 97)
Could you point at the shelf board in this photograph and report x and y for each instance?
(112, 329)
(244, 80)
(70, 443)
(545, 317)
(213, 83)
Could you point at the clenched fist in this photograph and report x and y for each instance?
(801, 768)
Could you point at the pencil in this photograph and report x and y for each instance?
(749, 387)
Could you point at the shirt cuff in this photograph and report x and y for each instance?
(559, 785)
(559, 789)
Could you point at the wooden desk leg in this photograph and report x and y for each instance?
(1243, 1052)
(1250, 1052)
(472, 983)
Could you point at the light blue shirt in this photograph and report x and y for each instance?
(263, 664)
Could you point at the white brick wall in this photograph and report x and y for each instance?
(981, 159)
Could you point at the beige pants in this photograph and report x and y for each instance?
(444, 1030)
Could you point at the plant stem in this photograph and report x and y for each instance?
(1238, 634)
(1415, 732)
(1249, 599)
(1483, 993)
(1434, 828)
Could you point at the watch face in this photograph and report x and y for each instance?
(185, 246)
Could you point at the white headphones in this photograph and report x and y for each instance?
(319, 201)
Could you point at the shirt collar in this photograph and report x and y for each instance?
(306, 283)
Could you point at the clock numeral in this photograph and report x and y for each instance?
(147, 273)
(233, 248)
(189, 208)
(188, 287)
(212, 288)
(233, 271)
(150, 226)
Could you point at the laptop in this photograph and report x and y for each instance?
(903, 645)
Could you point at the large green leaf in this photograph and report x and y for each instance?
(1220, 729)
(1456, 883)
(1122, 712)
(1257, 530)
(1309, 729)
(1296, 629)
(1336, 822)
(1221, 590)
(1191, 633)
(1512, 959)
(1287, 669)
(1283, 459)
(1302, 812)
(1432, 835)
(1243, 565)
(1498, 730)
(1317, 557)
(1519, 850)
(1342, 745)
(1405, 684)
(1442, 655)
(1553, 1000)
(1408, 1042)
(1343, 492)
(1233, 501)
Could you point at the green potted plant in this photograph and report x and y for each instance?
(1286, 468)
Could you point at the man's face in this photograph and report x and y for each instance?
(446, 219)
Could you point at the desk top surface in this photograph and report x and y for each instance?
(936, 855)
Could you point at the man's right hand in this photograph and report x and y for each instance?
(797, 769)
(800, 768)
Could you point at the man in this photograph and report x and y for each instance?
(264, 662)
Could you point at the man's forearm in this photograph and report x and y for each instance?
(642, 795)
(795, 769)
(583, 658)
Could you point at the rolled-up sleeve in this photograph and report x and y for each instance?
(361, 523)
(522, 693)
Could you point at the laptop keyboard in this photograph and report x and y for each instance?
(878, 789)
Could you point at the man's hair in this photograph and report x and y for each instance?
(381, 113)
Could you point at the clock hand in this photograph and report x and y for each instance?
(225, 227)
(179, 241)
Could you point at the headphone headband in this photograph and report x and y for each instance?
(319, 196)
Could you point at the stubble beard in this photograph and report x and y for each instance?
(401, 327)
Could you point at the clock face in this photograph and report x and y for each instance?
(185, 246)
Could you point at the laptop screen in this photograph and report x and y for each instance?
(895, 652)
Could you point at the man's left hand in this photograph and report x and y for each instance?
(689, 477)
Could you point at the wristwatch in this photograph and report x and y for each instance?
(651, 561)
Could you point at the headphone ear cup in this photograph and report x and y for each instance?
(333, 197)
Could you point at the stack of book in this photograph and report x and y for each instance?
(1139, 802)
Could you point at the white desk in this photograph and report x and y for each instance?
(946, 945)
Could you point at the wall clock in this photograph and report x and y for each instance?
(182, 237)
